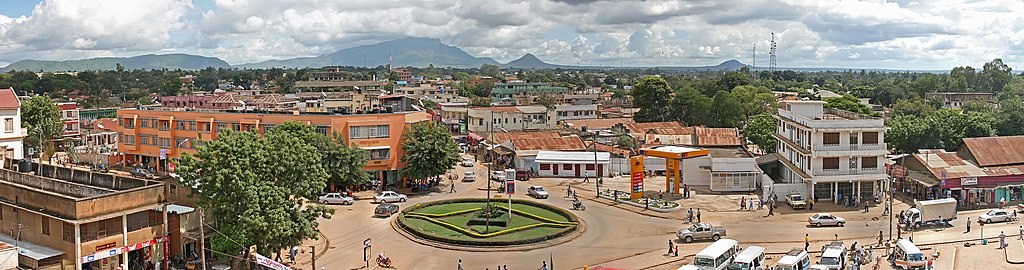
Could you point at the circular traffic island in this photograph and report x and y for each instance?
(473, 224)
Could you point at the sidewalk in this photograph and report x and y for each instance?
(1015, 251)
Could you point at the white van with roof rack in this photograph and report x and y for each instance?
(752, 258)
(795, 259)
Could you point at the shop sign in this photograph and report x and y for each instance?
(142, 245)
(106, 246)
(968, 181)
(636, 171)
(102, 255)
(264, 261)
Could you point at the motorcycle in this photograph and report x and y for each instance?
(578, 205)
(383, 260)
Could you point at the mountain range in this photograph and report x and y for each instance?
(417, 52)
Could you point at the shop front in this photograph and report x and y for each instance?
(143, 255)
(986, 191)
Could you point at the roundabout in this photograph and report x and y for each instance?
(473, 224)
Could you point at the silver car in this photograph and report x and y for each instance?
(825, 219)
(537, 192)
(389, 196)
(335, 198)
(996, 216)
(701, 231)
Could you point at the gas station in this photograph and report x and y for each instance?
(673, 155)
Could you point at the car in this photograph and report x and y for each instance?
(825, 219)
(469, 177)
(1020, 207)
(335, 198)
(701, 231)
(467, 162)
(997, 215)
(537, 192)
(389, 196)
(498, 176)
(796, 201)
(385, 210)
(143, 173)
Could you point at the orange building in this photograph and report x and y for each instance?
(151, 137)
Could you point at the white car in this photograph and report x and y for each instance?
(467, 162)
(469, 177)
(498, 176)
(537, 192)
(996, 216)
(389, 196)
(825, 219)
(336, 198)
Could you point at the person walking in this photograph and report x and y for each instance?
(453, 186)
(568, 192)
(771, 210)
(698, 215)
(544, 265)
(807, 241)
(670, 246)
(676, 253)
(686, 191)
(1002, 239)
(880, 238)
(1021, 235)
(460, 264)
(689, 215)
(586, 177)
(866, 208)
(743, 203)
(810, 205)
(968, 225)
(750, 204)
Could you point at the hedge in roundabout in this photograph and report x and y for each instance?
(464, 222)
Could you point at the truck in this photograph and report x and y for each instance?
(701, 231)
(796, 201)
(940, 211)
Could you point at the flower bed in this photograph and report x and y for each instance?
(452, 221)
(654, 203)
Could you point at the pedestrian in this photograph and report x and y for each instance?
(750, 204)
(879, 237)
(504, 266)
(698, 215)
(292, 253)
(760, 203)
(453, 187)
(1021, 235)
(743, 203)
(460, 264)
(660, 196)
(686, 191)
(544, 265)
(1002, 239)
(586, 177)
(670, 246)
(676, 254)
(886, 211)
(968, 225)
(568, 192)
(689, 215)
(866, 206)
(807, 241)
(837, 237)
(810, 204)
(771, 210)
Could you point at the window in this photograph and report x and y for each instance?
(869, 138)
(68, 232)
(128, 123)
(146, 219)
(100, 229)
(180, 142)
(545, 167)
(174, 190)
(366, 132)
(180, 125)
(191, 125)
(830, 138)
(322, 129)
(236, 126)
(164, 125)
(164, 142)
(830, 163)
(9, 125)
(128, 139)
(267, 128)
(143, 140)
(869, 162)
(590, 166)
(69, 114)
(567, 167)
(221, 126)
(379, 154)
(120, 120)
(45, 225)
(145, 122)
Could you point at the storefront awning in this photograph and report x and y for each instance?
(476, 137)
(30, 250)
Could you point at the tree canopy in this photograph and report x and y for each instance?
(41, 117)
(849, 103)
(652, 95)
(759, 131)
(429, 150)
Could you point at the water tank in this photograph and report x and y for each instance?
(25, 165)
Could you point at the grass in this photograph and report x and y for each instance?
(540, 228)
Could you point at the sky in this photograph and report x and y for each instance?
(902, 35)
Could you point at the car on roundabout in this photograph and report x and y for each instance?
(826, 219)
(335, 198)
(469, 177)
(389, 196)
(385, 210)
(498, 176)
(997, 215)
(467, 162)
(701, 231)
(537, 192)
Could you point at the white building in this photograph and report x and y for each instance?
(575, 112)
(509, 118)
(12, 135)
(724, 169)
(571, 164)
(833, 152)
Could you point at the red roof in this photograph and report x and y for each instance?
(502, 137)
(68, 106)
(8, 99)
(995, 151)
(109, 124)
(550, 144)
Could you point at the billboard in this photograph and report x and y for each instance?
(636, 172)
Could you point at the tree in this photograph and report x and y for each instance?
(343, 163)
(256, 186)
(479, 102)
(995, 75)
(914, 107)
(691, 107)
(849, 103)
(905, 133)
(754, 100)
(429, 150)
(625, 141)
(42, 119)
(759, 131)
(726, 111)
(1010, 119)
(652, 94)
(546, 100)
(483, 89)
(490, 70)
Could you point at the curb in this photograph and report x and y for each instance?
(660, 210)
(581, 227)
(1006, 255)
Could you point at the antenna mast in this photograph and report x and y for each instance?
(771, 55)
(753, 65)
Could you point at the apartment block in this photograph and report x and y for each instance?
(12, 134)
(72, 123)
(834, 153)
(575, 112)
(484, 120)
(153, 136)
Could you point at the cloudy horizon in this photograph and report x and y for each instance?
(902, 35)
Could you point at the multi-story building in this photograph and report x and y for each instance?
(63, 219)
(154, 136)
(952, 100)
(510, 118)
(834, 152)
(69, 114)
(12, 135)
(403, 74)
(575, 112)
(453, 115)
(312, 85)
(191, 100)
(329, 74)
(508, 91)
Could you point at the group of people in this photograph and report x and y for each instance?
(689, 215)
(746, 204)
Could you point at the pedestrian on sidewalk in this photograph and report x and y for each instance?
(676, 254)
(453, 186)
(460, 264)
(865, 206)
(698, 215)
(544, 265)
(771, 210)
(670, 246)
(689, 215)
(1021, 235)
(886, 211)
(743, 203)
(568, 192)
(686, 191)
(807, 241)
(1002, 239)
(586, 177)
(750, 204)
(879, 237)
(837, 237)
(760, 204)
(968, 225)
(810, 204)
(292, 253)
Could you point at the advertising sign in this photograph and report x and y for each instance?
(264, 261)
(636, 172)
(968, 181)
(510, 187)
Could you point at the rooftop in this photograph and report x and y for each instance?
(257, 111)
(502, 137)
(596, 123)
(551, 144)
(9, 99)
(994, 151)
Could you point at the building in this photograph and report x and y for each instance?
(13, 133)
(575, 112)
(76, 219)
(571, 164)
(484, 120)
(403, 74)
(151, 136)
(830, 152)
(981, 171)
(508, 91)
(953, 100)
(191, 100)
(315, 86)
(328, 74)
(453, 115)
(695, 136)
(72, 122)
(98, 141)
(97, 113)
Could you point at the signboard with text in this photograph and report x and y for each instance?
(510, 187)
(264, 261)
(636, 172)
(968, 181)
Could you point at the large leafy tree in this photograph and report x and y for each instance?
(754, 100)
(726, 110)
(652, 95)
(691, 107)
(42, 119)
(429, 150)
(1010, 119)
(942, 130)
(759, 131)
(254, 186)
(913, 107)
(849, 103)
(344, 163)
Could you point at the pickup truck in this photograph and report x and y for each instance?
(701, 231)
(796, 201)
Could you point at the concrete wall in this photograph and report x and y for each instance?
(571, 171)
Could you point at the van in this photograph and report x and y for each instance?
(907, 256)
(795, 259)
(752, 258)
(717, 256)
(833, 256)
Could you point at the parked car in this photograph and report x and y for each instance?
(335, 198)
(997, 215)
(537, 192)
(796, 201)
(498, 176)
(522, 174)
(143, 173)
(701, 231)
(825, 219)
(469, 177)
(385, 210)
(467, 162)
(389, 196)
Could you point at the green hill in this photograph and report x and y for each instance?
(149, 61)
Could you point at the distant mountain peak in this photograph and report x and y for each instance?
(528, 61)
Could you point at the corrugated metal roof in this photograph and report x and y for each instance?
(550, 144)
(597, 123)
(502, 137)
(611, 149)
(994, 151)
(561, 157)
(509, 109)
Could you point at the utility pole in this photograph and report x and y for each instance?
(313, 253)
(202, 239)
(490, 139)
(597, 177)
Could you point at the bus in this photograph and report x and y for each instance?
(795, 259)
(716, 256)
(752, 258)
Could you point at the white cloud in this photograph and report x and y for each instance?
(934, 34)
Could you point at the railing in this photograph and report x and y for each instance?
(854, 171)
(845, 147)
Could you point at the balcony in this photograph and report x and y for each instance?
(848, 147)
(848, 171)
